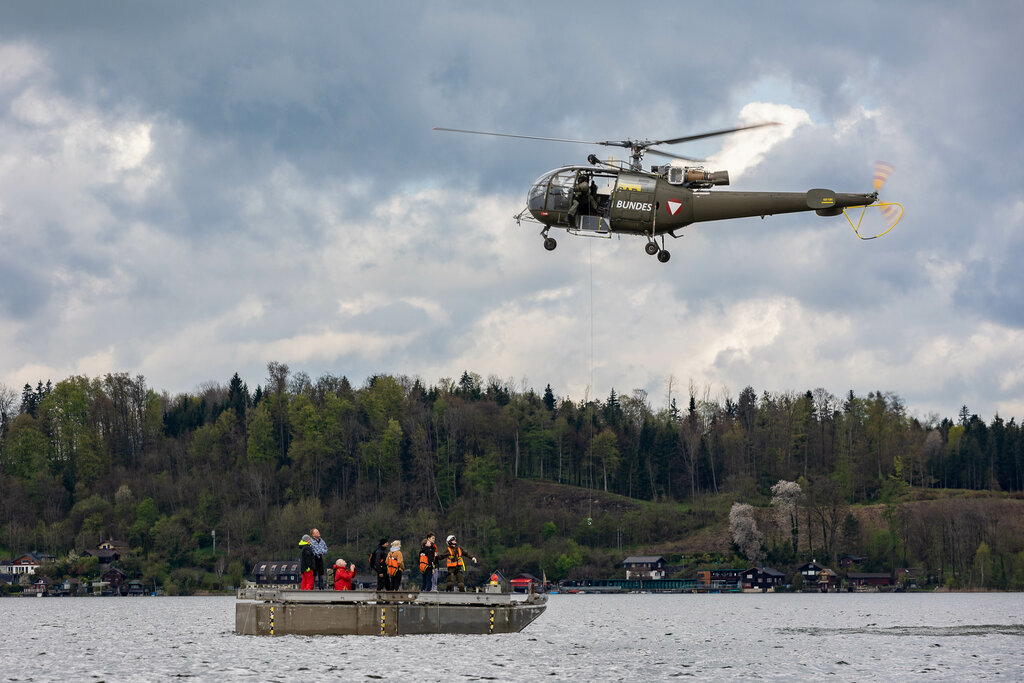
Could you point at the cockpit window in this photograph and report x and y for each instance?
(556, 186)
(537, 192)
(553, 190)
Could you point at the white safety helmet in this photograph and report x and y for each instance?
(449, 539)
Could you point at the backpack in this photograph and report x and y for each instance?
(392, 564)
(424, 562)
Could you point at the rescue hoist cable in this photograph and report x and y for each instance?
(590, 253)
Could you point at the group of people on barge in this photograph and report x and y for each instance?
(387, 562)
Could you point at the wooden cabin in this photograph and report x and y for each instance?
(864, 579)
(116, 580)
(763, 578)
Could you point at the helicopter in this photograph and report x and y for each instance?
(615, 197)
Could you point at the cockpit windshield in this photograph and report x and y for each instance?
(556, 186)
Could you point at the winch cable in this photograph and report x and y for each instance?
(590, 388)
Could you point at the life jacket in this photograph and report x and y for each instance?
(392, 564)
(455, 558)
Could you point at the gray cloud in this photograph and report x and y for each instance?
(186, 193)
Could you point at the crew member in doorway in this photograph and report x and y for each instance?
(580, 198)
(595, 204)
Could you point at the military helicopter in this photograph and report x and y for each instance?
(619, 197)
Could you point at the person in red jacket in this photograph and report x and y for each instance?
(343, 575)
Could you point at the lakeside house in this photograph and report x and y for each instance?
(71, 586)
(763, 578)
(521, 583)
(720, 578)
(849, 560)
(26, 563)
(866, 579)
(818, 577)
(107, 552)
(644, 567)
(277, 573)
(116, 580)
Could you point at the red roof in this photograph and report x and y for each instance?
(524, 579)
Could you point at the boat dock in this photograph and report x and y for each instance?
(651, 586)
(271, 612)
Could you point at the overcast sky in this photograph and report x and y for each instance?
(189, 190)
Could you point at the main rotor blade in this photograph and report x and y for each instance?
(688, 138)
(525, 137)
(628, 144)
(651, 150)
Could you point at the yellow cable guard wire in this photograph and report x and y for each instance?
(889, 209)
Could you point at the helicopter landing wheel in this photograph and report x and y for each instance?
(664, 256)
(651, 248)
(550, 243)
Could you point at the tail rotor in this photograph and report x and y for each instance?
(882, 171)
(892, 212)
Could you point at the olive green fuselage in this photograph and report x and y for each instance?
(646, 204)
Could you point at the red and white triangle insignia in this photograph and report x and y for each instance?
(673, 206)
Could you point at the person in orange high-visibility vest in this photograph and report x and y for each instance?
(394, 564)
(456, 564)
(428, 566)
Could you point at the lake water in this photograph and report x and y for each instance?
(583, 637)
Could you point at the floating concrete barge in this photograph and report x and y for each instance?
(271, 612)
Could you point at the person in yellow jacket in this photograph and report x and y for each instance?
(454, 560)
(394, 564)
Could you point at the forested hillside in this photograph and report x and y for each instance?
(91, 458)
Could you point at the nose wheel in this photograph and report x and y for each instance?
(550, 243)
(651, 248)
(664, 256)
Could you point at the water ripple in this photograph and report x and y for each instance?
(580, 637)
(938, 631)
